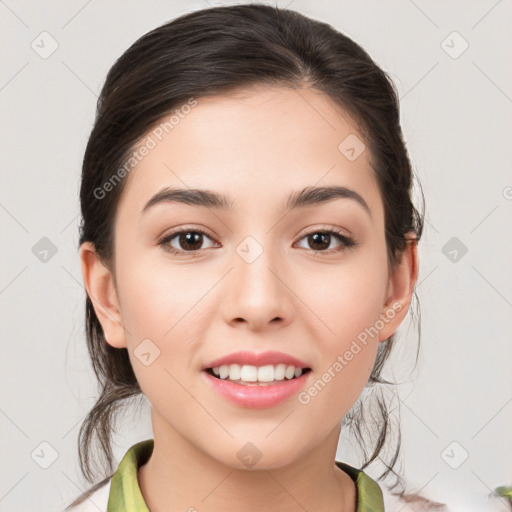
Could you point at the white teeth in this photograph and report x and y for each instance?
(279, 372)
(223, 371)
(249, 373)
(266, 373)
(290, 372)
(235, 371)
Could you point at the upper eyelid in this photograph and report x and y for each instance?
(302, 233)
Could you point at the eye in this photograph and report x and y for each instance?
(322, 240)
(190, 240)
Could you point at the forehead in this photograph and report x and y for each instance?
(254, 145)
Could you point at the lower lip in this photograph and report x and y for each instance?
(256, 396)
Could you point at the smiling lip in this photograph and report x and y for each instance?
(256, 396)
(250, 358)
(253, 395)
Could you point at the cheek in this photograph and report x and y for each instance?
(348, 297)
(158, 312)
(164, 305)
(348, 305)
(158, 300)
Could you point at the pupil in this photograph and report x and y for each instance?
(190, 238)
(315, 236)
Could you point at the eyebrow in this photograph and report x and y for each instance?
(308, 196)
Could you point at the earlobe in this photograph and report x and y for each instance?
(400, 288)
(100, 287)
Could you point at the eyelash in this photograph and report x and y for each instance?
(347, 242)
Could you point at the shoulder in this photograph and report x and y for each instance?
(96, 502)
(467, 501)
(393, 503)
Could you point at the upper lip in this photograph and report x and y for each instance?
(261, 359)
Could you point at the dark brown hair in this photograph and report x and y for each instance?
(215, 51)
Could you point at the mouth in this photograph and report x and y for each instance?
(249, 375)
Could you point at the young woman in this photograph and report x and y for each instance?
(249, 249)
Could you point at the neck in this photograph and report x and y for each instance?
(180, 476)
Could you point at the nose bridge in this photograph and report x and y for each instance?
(254, 260)
(256, 291)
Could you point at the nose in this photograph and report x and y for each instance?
(258, 290)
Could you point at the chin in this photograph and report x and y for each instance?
(258, 455)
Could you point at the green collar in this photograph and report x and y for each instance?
(125, 494)
(369, 495)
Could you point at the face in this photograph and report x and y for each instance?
(197, 283)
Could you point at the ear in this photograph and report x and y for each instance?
(400, 288)
(100, 286)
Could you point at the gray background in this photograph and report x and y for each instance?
(456, 116)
